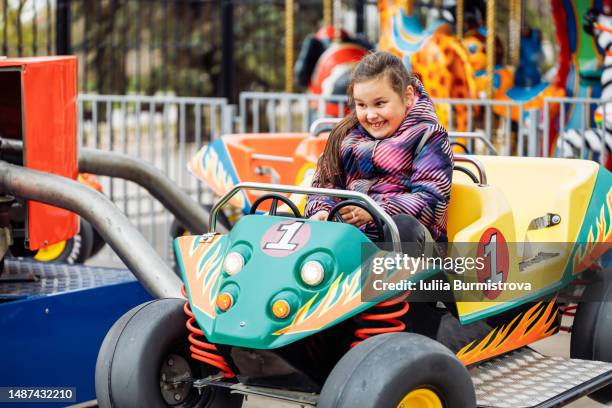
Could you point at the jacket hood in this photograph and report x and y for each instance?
(422, 111)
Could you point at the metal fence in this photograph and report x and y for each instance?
(168, 131)
(180, 47)
(562, 114)
(283, 112)
(164, 131)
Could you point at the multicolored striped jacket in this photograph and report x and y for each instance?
(394, 174)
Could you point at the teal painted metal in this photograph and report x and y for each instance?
(599, 199)
(599, 212)
(269, 275)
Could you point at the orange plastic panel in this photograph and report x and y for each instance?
(49, 93)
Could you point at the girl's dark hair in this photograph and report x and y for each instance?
(372, 66)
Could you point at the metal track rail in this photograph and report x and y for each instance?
(186, 210)
(156, 277)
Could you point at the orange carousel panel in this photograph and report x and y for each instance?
(47, 125)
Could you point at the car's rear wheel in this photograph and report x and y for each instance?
(75, 250)
(592, 328)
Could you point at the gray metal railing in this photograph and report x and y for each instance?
(166, 132)
(574, 113)
(283, 112)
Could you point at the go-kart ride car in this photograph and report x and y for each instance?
(276, 306)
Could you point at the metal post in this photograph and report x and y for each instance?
(327, 13)
(228, 113)
(546, 135)
(156, 277)
(360, 16)
(227, 46)
(187, 212)
(490, 46)
(460, 9)
(532, 133)
(289, 27)
(62, 28)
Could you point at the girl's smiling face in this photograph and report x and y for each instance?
(380, 109)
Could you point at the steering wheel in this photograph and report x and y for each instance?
(273, 208)
(335, 216)
(462, 146)
(467, 171)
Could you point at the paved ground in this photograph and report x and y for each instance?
(557, 345)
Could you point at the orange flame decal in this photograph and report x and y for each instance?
(207, 167)
(339, 300)
(599, 240)
(202, 265)
(527, 327)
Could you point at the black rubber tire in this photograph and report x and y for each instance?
(592, 328)
(98, 243)
(381, 370)
(86, 233)
(127, 369)
(77, 249)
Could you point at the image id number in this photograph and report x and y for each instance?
(33, 394)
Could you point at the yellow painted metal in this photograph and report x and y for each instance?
(490, 46)
(336, 19)
(409, 7)
(460, 19)
(327, 13)
(420, 398)
(515, 31)
(520, 190)
(289, 40)
(51, 252)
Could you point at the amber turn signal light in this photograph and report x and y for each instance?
(224, 301)
(281, 309)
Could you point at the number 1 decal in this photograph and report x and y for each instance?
(494, 250)
(490, 251)
(285, 241)
(285, 238)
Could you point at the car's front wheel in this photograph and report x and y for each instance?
(403, 370)
(145, 361)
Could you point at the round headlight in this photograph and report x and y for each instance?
(312, 273)
(234, 262)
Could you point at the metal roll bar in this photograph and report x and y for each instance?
(318, 123)
(482, 175)
(376, 208)
(156, 277)
(314, 127)
(188, 212)
(474, 135)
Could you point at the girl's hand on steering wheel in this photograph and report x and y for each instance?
(320, 215)
(355, 216)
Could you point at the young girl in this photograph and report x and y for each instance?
(392, 148)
